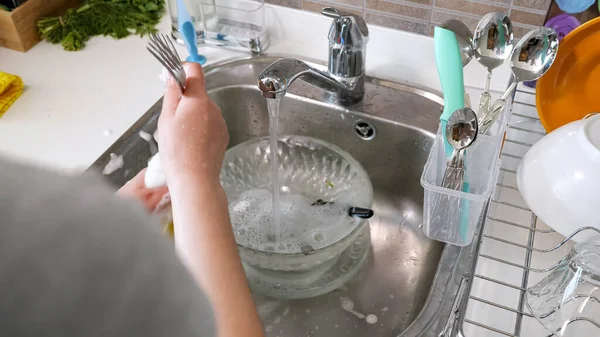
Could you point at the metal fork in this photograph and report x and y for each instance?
(161, 47)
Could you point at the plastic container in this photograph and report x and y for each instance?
(449, 215)
(237, 24)
(452, 216)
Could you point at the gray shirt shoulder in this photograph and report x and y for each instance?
(76, 260)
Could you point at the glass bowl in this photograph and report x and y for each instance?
(309, 167)
(317, 183)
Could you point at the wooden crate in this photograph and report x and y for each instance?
(18, 29)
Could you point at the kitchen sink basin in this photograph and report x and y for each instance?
(408, 283)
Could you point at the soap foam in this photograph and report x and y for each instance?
(301, 224)
(116, 163)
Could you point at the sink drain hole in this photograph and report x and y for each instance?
(364, 130)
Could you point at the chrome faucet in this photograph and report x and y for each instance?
(344, 79)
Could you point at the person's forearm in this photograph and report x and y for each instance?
(205, 242)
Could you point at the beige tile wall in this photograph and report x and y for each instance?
(420, 16)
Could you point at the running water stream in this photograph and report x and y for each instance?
(273, 107)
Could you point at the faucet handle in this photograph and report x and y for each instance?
(347, 28)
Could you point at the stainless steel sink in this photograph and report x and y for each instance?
(408, 281)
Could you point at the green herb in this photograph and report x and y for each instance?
(328, 183)
(115, 18)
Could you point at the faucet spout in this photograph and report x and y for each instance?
(345, 79)
(275, 80)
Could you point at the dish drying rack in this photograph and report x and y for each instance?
(512, 248)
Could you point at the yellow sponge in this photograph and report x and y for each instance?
(11, 87)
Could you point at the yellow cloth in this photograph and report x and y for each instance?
(11, 87)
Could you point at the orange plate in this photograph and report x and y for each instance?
(571, 88)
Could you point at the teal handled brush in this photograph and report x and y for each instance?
(450, 71)
(188, 32)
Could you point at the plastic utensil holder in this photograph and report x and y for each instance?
(449, 215)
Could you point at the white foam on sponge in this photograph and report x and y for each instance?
(154, 177)
(301, 224)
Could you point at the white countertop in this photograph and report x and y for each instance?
(76, 104)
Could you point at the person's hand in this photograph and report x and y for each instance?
(153, 199)
(192, 139)
(192, 135)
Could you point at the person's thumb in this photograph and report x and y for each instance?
(172, 95)
(195, 86)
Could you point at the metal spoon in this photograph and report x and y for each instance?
(493, 43)
(461, 132)
(533, 56)
(465, 44)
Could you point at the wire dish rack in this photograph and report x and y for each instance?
(513, 249)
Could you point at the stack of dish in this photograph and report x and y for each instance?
(559, 178)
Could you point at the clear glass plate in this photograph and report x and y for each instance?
(567, 301)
